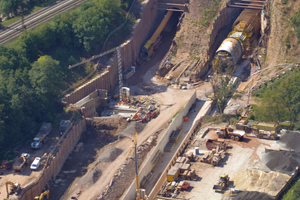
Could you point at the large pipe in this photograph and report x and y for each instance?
(148, 47)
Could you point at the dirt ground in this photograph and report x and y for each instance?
(243, 155)
(98, 169)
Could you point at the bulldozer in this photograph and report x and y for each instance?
(222, 183)
(43, 195)
(15, 188)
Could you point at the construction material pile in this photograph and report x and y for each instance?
(260, 181)
(285, 161)
(250, 195)
(291, 140)
(282, 161)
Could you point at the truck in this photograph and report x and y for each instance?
(42, 134)
(225, 132)
(242, 124)
(64, 125)
(21, 162)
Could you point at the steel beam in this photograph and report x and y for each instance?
(245, 4)
(246, 7)
(170, 9)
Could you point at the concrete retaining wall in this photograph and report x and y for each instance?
(148, 165)
(194, 129)
(129, 54)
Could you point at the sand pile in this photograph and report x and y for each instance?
(282, 161)
(256, 180)
(251, 195)
(291, 140)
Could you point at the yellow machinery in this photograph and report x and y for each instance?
(44, 194)
(14, 188)
(222, 184)
(140, 193)
(147, 50)
(237, 44)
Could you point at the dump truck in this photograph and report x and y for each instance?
(214, 143)
(21, 162)
(222, 183)
(242, 124)
(42, 134)
(225, 132)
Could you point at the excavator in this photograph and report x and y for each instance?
(15, 188)
(43, 195)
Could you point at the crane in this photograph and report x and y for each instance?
(140, 193)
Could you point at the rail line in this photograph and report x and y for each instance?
(35, 19)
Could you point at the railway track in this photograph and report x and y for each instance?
(9, 33)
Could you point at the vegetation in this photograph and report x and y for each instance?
(33, 70)
(293, 193)
(280, 100)
(223, 88)
(296, 23)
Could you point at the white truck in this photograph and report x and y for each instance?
(42, 134)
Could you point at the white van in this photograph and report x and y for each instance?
(36, 163)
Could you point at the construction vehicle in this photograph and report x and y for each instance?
(245, 29)
(265, 134)
(225, 132)
(64, 126)
(15, 188)
(214, 143)
(7, 164)
(242, 124)
(43, 195)
(222, 183)
(21, 162)
(42, 134)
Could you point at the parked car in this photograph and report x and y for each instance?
(36, 163)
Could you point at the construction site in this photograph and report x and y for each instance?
(140, 128)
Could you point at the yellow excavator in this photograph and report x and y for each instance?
(43, 195)
(15, 188)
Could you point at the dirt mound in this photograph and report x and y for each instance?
(110, 155)
(114, 125)
(291, 140)
(250, 195)
(133, 126)
(282, 161)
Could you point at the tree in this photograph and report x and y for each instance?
(223, 89)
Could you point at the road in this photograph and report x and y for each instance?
(14, 30)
